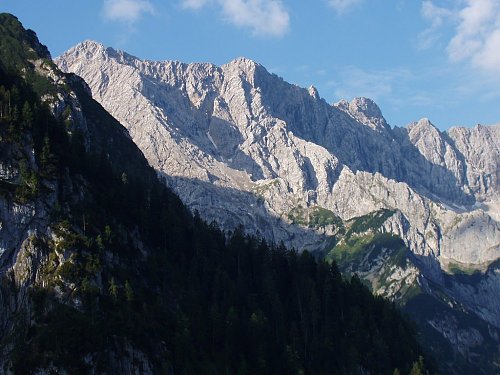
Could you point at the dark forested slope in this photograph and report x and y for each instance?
(103, 270)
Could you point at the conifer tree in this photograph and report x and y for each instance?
(113, 289)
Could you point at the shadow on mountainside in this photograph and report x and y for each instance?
(245, 209)
(464, 339)
(429, 309)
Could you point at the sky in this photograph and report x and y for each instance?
(438, 59)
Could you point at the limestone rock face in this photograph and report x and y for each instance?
(264, 147)
(242, 146)
(367, 112)
(480, 148)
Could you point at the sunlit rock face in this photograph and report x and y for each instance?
(263, 147)
(242, 146)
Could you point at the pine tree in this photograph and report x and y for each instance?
(48, 161)
(129, 292)
(26, 116)
(418, 367)
(113, 289)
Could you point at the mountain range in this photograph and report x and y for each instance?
(414, 211)
(103, 270)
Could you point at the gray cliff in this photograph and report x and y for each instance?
(242, 146)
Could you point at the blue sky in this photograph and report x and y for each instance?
(438, 59)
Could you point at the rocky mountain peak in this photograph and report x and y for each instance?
(10, 26)
(243, 61)
(313, 91)
(368, 112)
(92, 50)
(365, 111)
(366, 106)
(424, 123)
(243, 65)
(89, 47)
(342, 104)
(423, 128)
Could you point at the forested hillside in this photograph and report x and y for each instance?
(103, 270)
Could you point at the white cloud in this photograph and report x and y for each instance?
(342, 6)
(477, 36)
(128, 11)
(434, 13)
(477, 32)
(377, 85)
(437, 17)
(262, 17)
(194, 4)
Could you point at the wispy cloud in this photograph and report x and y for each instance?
(194, 4)
(437, 16)
(262, 17)
(354, 81)
(342, 6)
(476, 37)
(414, 90)
(128, 11)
